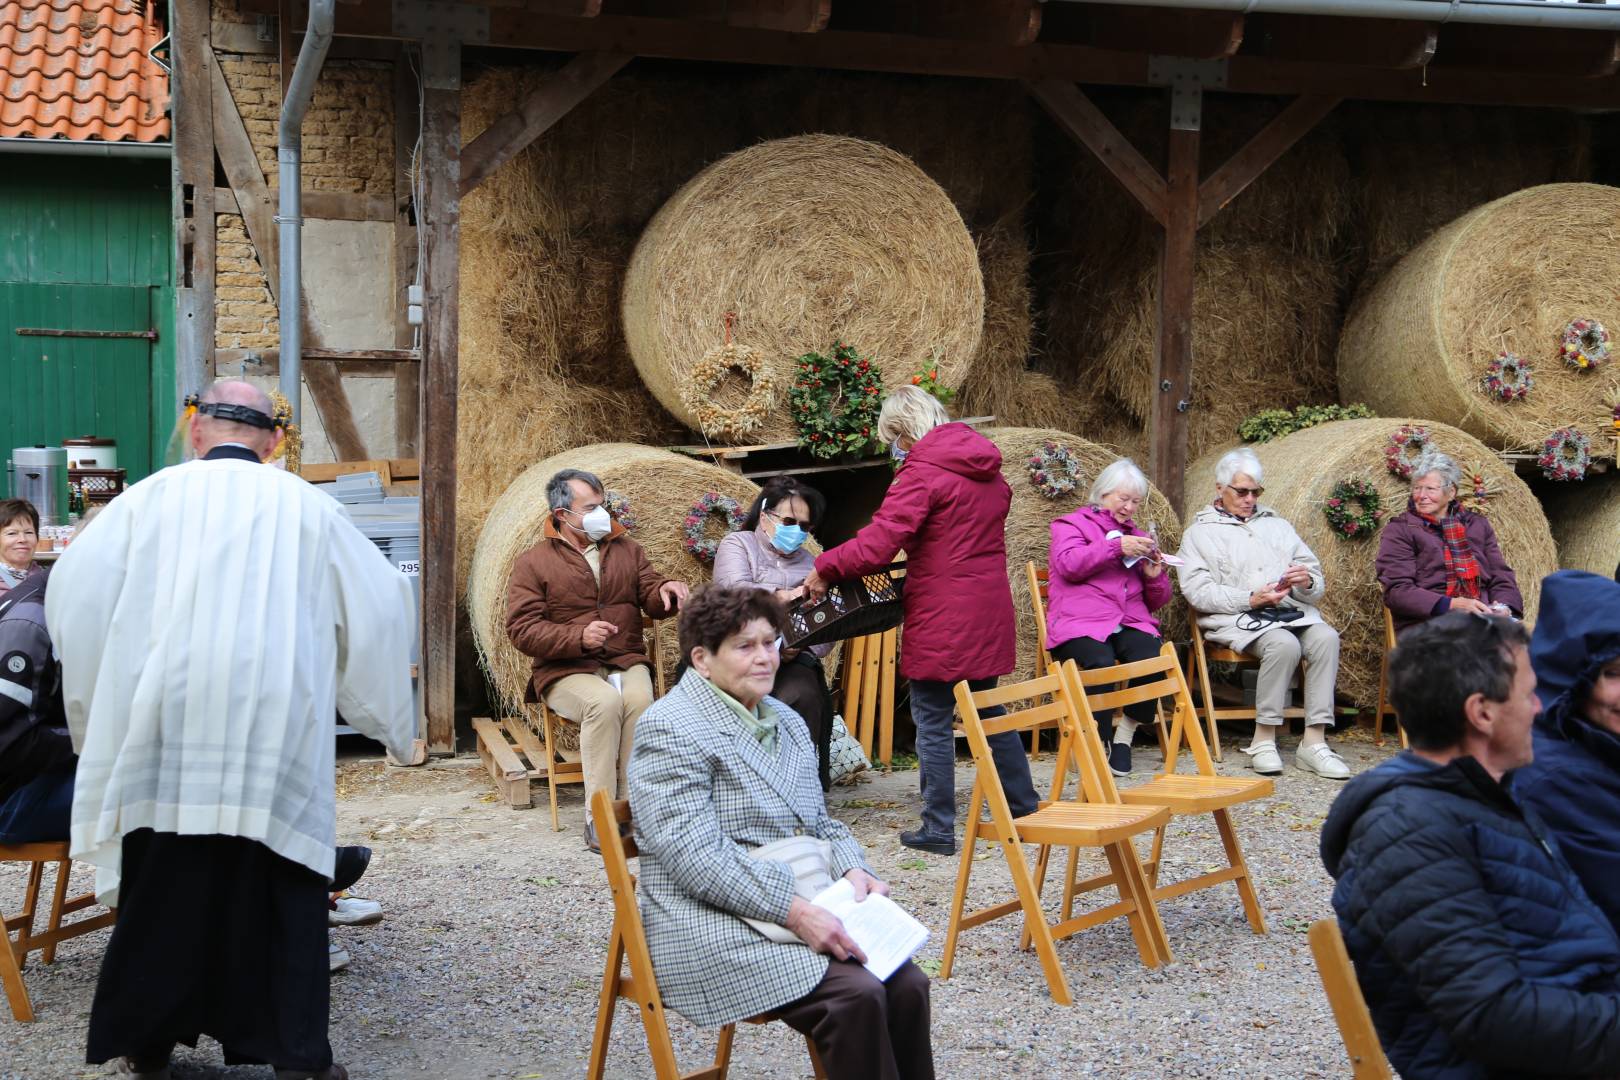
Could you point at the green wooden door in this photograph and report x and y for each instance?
(86, 247)
(62, 387)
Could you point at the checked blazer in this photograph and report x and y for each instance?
(703, 793)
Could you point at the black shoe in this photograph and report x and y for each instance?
(934, 845)
(590, 838)
(350, 864)
(1119, 758)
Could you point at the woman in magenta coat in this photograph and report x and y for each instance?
(1107, 578)
(947, 509)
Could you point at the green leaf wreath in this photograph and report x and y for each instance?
(835, 402)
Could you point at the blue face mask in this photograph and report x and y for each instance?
(788, 538)
(896, 453)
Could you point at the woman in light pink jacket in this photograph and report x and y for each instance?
(1107, 578)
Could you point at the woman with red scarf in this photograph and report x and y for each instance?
(1437, 557)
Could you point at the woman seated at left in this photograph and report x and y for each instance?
(19, 535)
(768, 553)
(718, 770)
(1106, 580)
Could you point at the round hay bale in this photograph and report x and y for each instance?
(659, 485)
(1029, 522)
(809, 240)
(1300, 469)
(1508, 276)
(1585, 519)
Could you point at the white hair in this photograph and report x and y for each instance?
(1234, 463)
(910, 413)
(1433, 461)
(1121, 475)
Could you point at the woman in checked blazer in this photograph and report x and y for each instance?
(719, 768)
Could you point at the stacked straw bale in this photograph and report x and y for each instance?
(1029, 522)
(1300, 471)
(810, 240)
(1267, 294)
(1420, 167)
(1585, 520)
(660, 486)
(1509, 275)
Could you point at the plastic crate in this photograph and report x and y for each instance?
(865, 605)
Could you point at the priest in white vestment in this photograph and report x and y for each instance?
(212, 622)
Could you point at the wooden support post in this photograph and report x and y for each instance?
(407, 377)
(1173, 353)
(192, 187)
(440, 216)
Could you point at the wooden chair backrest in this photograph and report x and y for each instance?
(1043, 702)
(1167, 686)
(1338, 976)
(655, 653)
(1086, 744)
(1040, 586)
(1389, 628)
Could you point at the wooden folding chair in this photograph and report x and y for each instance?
(1384, 707)
(1057, 822)
(869, 670)
(1204, 792)
(516, 750)
(1039, 586)
(1202, 656)
(14, 957)
(629, 942)
(1367, 1060)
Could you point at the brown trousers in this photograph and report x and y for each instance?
(864, 1028)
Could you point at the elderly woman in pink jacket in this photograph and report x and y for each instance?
(1107, 578)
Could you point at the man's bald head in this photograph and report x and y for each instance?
(208, 432)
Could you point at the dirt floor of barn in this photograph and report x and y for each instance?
(490, 959)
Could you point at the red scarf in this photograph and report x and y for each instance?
(1462, 569)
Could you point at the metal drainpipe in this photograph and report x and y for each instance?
(1542, 13)
(290, 219)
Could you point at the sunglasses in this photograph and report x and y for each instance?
(789, 520)
(1243, 492)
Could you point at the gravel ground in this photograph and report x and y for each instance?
(490, 959)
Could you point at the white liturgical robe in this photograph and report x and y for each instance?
(211, 621)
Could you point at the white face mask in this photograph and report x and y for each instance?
(596, 524)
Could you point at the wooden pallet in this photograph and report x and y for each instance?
(514, 755)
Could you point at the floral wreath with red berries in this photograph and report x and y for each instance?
(1053, 470)
(1565, 455)
(1354, 508)
(835, 401)
(694, 530)
(1404, 448)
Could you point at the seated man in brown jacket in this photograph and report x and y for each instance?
(574, 604)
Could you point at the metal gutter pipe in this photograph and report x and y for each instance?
(86, 148)
(290, 218)
(1547, 14)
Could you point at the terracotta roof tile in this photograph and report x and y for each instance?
(79, 69)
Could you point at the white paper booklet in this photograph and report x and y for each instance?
(886, 933)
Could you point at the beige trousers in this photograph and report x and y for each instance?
(1279, 650)
(607, 721)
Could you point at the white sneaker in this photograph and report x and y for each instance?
(353, 911)
(1264, 759)
(337, 957)
(1320, 759)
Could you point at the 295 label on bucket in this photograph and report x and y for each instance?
(411, 568)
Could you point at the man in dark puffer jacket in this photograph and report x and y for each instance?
(1574, 785)
(1478, 951)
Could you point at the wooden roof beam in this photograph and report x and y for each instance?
(1260, 152)
(548, 103)
(793, 16)
(1398, 44)
(1197, 35)
(1003, 22)
(1569, 54)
